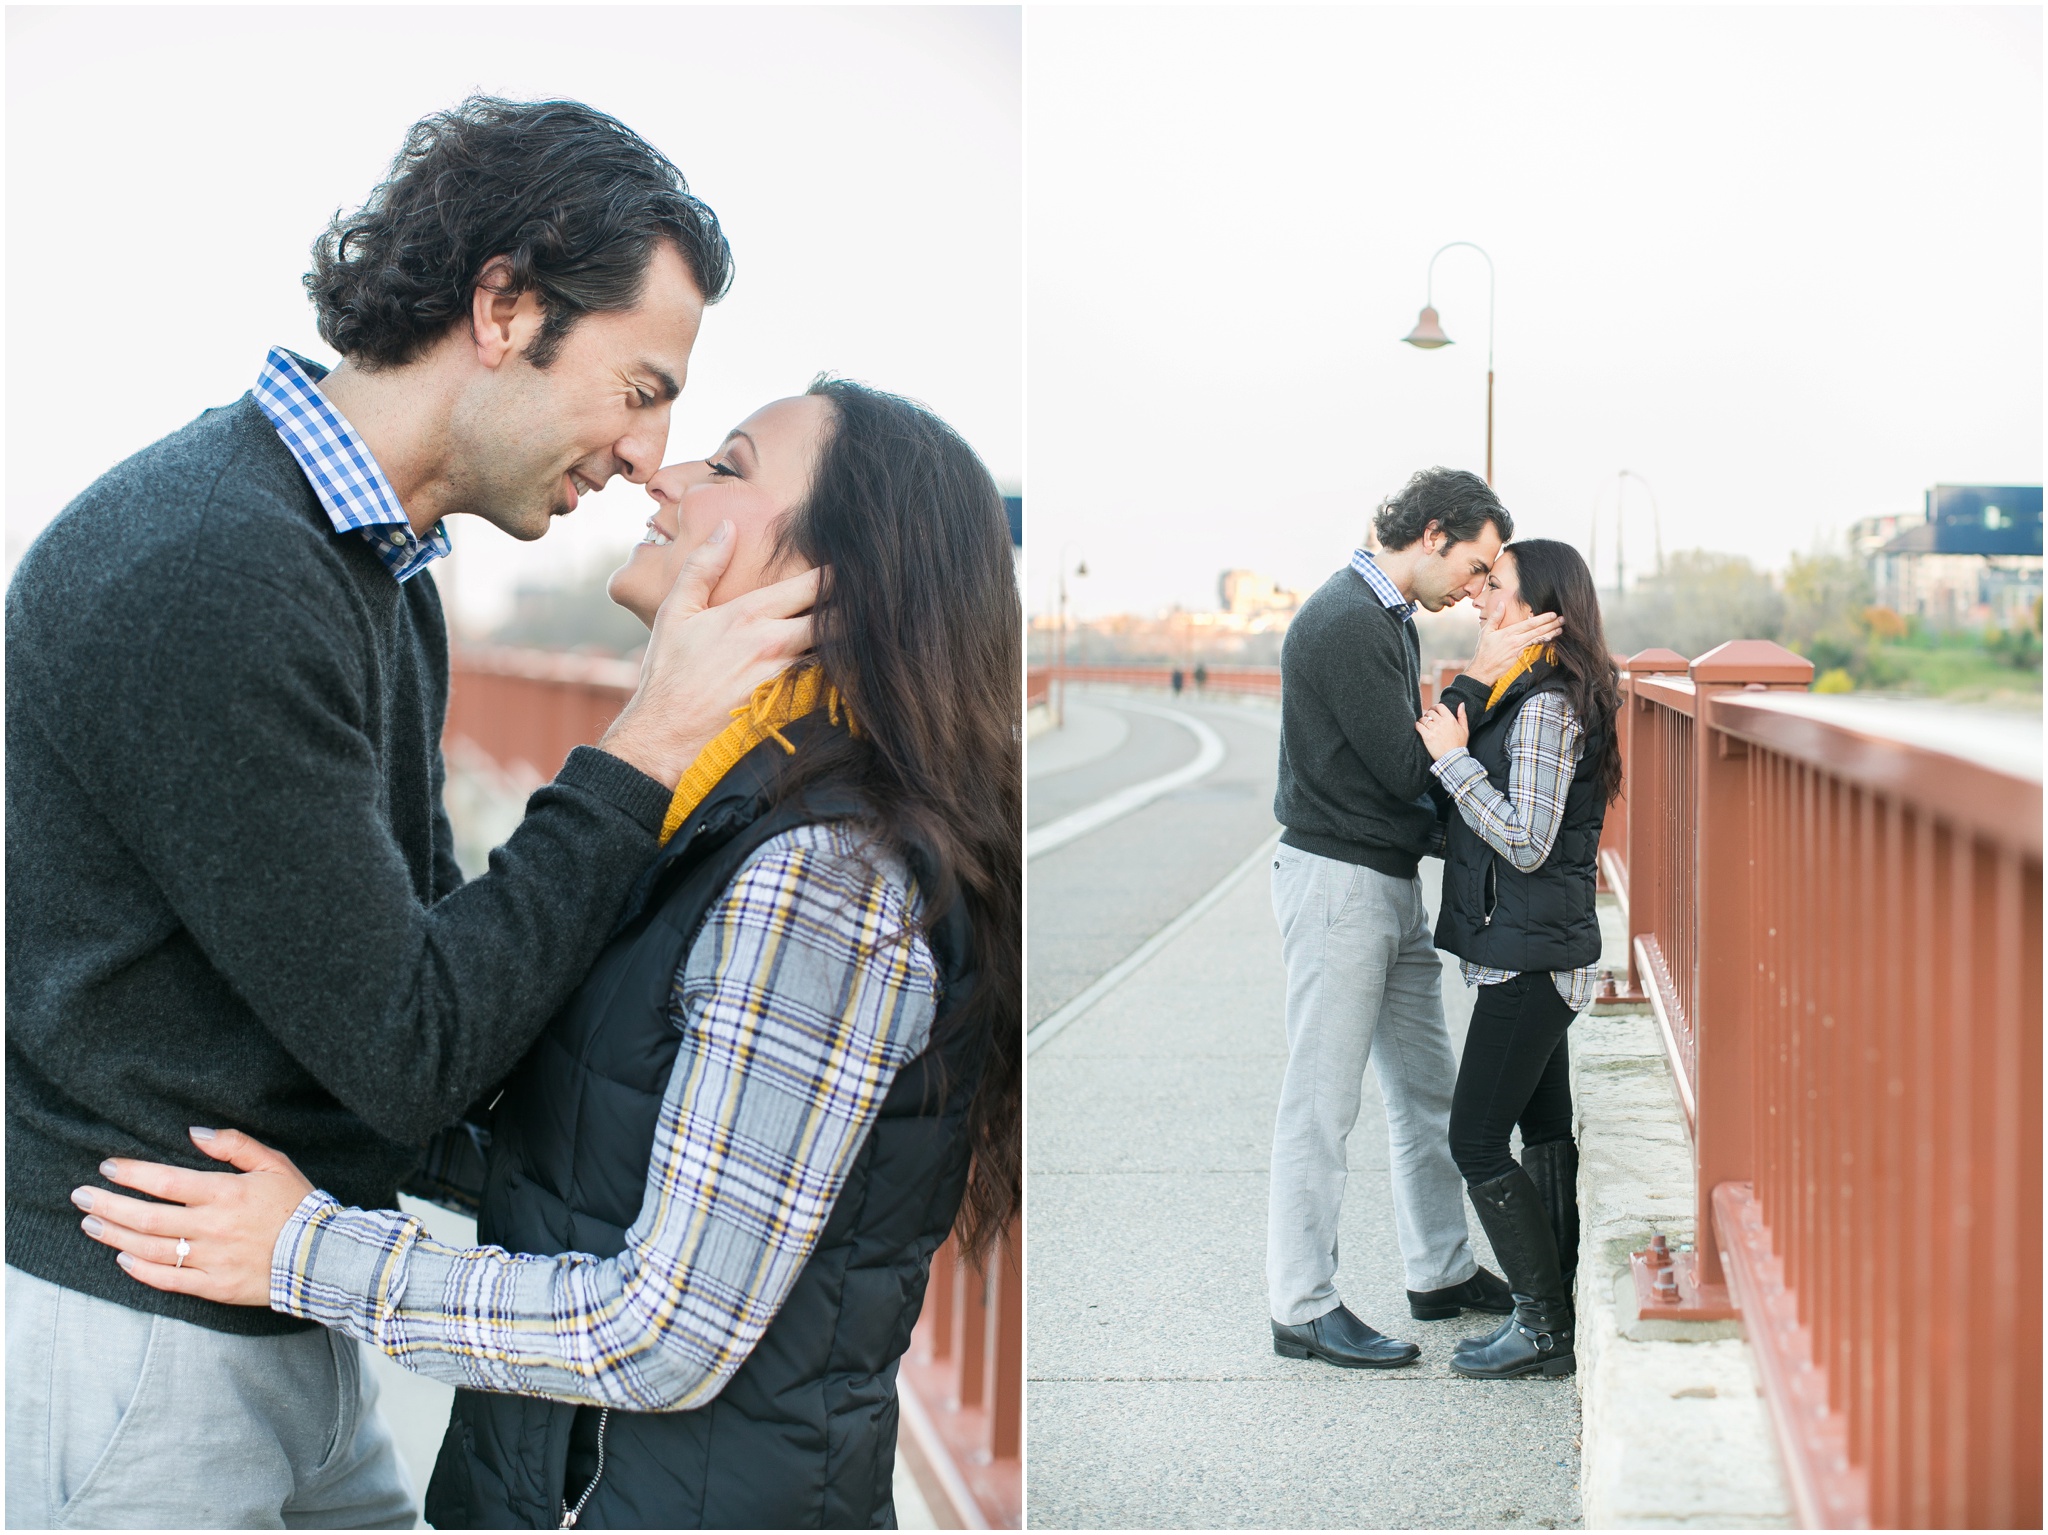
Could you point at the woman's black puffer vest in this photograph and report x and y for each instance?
(1495, 915)
(804, 1434)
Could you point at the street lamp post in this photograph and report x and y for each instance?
(1621, 479)
(1656, 518)
(1429, 335)
(1059, 641)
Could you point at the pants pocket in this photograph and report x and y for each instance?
(1341, 883)
(101, 1366)
(348, 1397)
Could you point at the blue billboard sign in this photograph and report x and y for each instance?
(1984, 519)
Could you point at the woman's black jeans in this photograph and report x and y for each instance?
(1514, 1071)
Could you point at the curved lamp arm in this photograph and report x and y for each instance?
(1430, 286)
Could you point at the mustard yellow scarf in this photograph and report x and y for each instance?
(776, 702)
(1527, 660)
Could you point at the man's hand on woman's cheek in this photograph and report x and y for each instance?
(1501, 646)
(704, 662)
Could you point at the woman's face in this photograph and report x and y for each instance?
(758, 475)
(1501, 602)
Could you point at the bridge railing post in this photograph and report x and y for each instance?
(1646, 808)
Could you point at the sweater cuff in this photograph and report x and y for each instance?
(618, 783)
(1477, 693)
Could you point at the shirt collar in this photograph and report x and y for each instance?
(1369, 570)
(339, 465)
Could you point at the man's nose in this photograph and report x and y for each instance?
(640, 451)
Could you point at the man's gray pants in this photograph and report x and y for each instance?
(120, 1419)
(1363, 984)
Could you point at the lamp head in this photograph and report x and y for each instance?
(1081, 569)
(1427, 333)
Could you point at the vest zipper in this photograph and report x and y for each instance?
(571, 1515)
(1492, 898)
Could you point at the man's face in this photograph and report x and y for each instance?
(530, 442)
(1450, 571)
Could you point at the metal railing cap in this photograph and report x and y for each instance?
(2005, 743)
(1762, 661)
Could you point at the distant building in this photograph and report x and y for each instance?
(1971, 556)
(1247, 594)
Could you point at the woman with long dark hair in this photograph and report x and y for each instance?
(1529, 782)
(710, 1193)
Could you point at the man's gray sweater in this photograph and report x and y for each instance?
(231, 897)
(1354, 780)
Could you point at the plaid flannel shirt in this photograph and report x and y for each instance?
(1521, 825)
(804, 995)
(344, 473)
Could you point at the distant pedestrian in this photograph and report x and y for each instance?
(1530, 772)
(1178, 682)
(1201, 676)
(1353, 794)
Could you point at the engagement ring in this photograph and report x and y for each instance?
(184, 1249)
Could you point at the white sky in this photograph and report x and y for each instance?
(168, 169)
(1786, 264)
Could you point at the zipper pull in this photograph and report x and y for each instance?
(568, 1518)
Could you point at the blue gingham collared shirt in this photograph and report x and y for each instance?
(1369, 571)
(805, 993)
(339, 464)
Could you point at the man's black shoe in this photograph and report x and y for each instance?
(1482, 1292)
(1340, 1338)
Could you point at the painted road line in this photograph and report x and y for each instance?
(1121, 972)
(1208, 757)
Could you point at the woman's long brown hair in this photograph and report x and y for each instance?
(1553, 578)
(920, 628)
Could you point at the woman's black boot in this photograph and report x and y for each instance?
(1540, 1340)
(1554, 1168)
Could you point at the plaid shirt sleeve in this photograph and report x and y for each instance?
(1543, 748)
(806, 992)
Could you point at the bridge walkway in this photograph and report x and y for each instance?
(1155, 1399)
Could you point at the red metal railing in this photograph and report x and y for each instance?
(1037, 686)
(1263, 680)
(961, 1387)
(1840, 935)
(528, 709)
(962, 1390)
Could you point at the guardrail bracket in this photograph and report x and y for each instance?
(1668, 1287)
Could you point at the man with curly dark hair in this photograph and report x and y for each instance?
(232, 896)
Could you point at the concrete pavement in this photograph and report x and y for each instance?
(1155, 1399)
(1095, 900)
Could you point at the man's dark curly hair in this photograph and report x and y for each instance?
(1456, 500)
(574, 200)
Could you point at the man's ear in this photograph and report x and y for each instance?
(501, 322)
(1431, 533)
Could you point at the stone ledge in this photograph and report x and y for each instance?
(1676, 1434)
